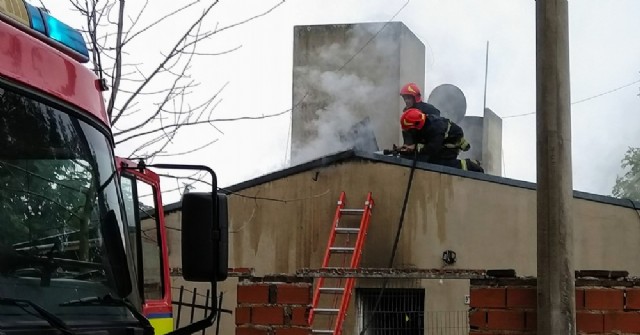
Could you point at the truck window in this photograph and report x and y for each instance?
(140, 205)
(56, 188)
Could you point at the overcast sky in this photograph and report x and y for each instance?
(605, 55)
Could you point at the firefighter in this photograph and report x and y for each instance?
(413, 99)
(437, 140)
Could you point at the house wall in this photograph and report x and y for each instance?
(508, 306)
(283, 225)
(489, 225)
(273, 306)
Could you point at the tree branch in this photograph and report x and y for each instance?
(134, 83)
(166, 60)
(160, 154)
(190, 111)
(201, 122)
(160, 20)
(217, 31)
(135, 21)
(118, 65)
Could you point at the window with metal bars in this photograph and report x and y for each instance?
(400, 311)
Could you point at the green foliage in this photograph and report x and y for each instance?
(628, 185)
(41, 198)
(46, 188)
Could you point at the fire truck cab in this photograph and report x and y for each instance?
(83, 246)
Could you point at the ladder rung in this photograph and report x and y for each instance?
(326, 311)
(342, 250)
(352, 211)
(347, 230)
(321, 331)
(332, 290)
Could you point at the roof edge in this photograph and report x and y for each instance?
(347, 155)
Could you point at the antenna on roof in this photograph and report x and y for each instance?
(484, 108)
(486, 75)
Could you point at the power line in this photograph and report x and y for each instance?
(605, 93)
(232, 193)
(229, 192)
(580, 101)
(374, 36)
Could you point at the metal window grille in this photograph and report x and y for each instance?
(188, 307)
(400, 311)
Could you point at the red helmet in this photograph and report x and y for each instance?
(413, 90)
(412, 118)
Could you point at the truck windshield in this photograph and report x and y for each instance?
(56, 185)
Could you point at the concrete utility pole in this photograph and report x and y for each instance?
(556, 278)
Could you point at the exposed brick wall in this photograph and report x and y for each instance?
(273, 306)
(508, 306)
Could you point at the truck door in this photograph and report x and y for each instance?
(146, 229)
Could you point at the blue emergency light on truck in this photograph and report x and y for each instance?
(44, 26)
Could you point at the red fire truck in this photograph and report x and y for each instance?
(83, 245)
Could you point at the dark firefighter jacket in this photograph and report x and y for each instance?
(426, 108)
(438, 134)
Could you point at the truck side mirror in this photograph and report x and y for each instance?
(205, 237)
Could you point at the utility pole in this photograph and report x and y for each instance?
(556, 276)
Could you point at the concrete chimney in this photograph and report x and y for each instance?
(343, 75)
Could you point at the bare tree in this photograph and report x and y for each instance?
(150, 104)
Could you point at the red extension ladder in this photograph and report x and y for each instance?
(340, 242)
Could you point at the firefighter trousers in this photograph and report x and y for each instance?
(463, 164)
(449, 157)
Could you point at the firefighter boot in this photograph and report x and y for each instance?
(471, 165)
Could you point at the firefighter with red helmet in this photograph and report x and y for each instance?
(437, 140)
(413, 99)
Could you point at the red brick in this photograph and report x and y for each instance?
(241, 270)
(292, 331)
(531, 320)
(521, 297)
(294, 294)
(623, 322)
(252, 331)
(603, 299)
(579, 299)
(243, 315)
(253, 294)
(589, 322)
(488, 297)
(300, 316)
(505, 320)
(478, 319)
(267, 315)
(633, 298)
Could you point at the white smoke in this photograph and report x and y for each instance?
(341, 98)
(344, 94)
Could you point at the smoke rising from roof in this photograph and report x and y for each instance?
(341, 96)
